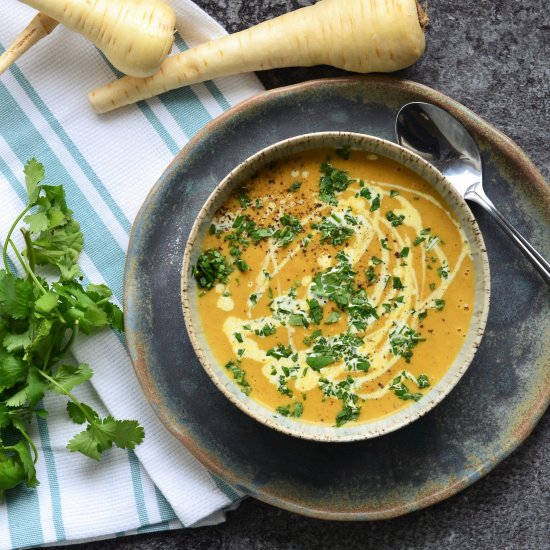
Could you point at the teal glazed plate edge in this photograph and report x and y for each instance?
(490, 412)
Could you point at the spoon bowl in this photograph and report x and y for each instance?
(436, 136)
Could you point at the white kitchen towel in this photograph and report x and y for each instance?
(107, 164)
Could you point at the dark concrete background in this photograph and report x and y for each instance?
(494, 57)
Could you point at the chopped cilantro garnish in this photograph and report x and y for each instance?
(394, 219)
(291, 226)
(384, 244)
(397, 284)
(211, 267)
(344, 151)
(243, 198)
(279, 351)
(282, 386)
(403, 340)
(365, 193)
(376, 261)
(331, 181)
(337, 283)
(317, 362)
(326, 351)
(443, 271)
(439, 304)
(422, 315)
(308, 340)
(315, 311)
(372, 277)
(422, 381)
(335, 233)
(295, 186)
(293, 410)
(343, 391)
(402, 391)
(375, 204)
(241, 265)
(297, 320)
(404, 252)
(347, 414)
(266, 330)
(238, 336)
(422, 236)
(394, 193)
(239, 376)
(333, 317)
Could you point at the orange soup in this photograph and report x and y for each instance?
(335, 286)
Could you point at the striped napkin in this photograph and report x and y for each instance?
(107, 164)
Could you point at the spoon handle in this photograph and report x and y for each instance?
(476, 194)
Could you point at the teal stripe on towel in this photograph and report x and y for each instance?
(24, 517)
(166, 511)
(139, 497)
(57, 510)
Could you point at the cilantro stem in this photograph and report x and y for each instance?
(50, 348)
(68, 394)
(11, 230)
(27, 269)
(29, 441)
(30, 248)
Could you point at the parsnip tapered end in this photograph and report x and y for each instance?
(40, 26)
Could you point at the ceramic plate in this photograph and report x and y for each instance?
(489, 413)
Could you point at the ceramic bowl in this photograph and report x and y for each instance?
(350, 431)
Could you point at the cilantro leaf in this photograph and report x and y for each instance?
(102, 434)
(26, 461)
(69, 376)
(17, 341)
(37, 222)
(16, 296)
(78, 415)
(60, 247)
(46, 303)
(34, 174)
(12, 370)
(12, 472)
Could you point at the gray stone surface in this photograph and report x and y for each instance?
(494, 57)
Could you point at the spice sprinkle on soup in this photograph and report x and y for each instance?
(335, 286)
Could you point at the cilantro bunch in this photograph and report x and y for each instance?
(39, 322)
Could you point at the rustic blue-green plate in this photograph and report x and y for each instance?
(489, 413)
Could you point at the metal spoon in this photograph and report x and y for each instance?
(436, 136)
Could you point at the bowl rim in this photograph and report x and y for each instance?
(359, 431)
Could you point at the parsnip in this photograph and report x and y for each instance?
(356, 35)
(40, 26)
(134, 35)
